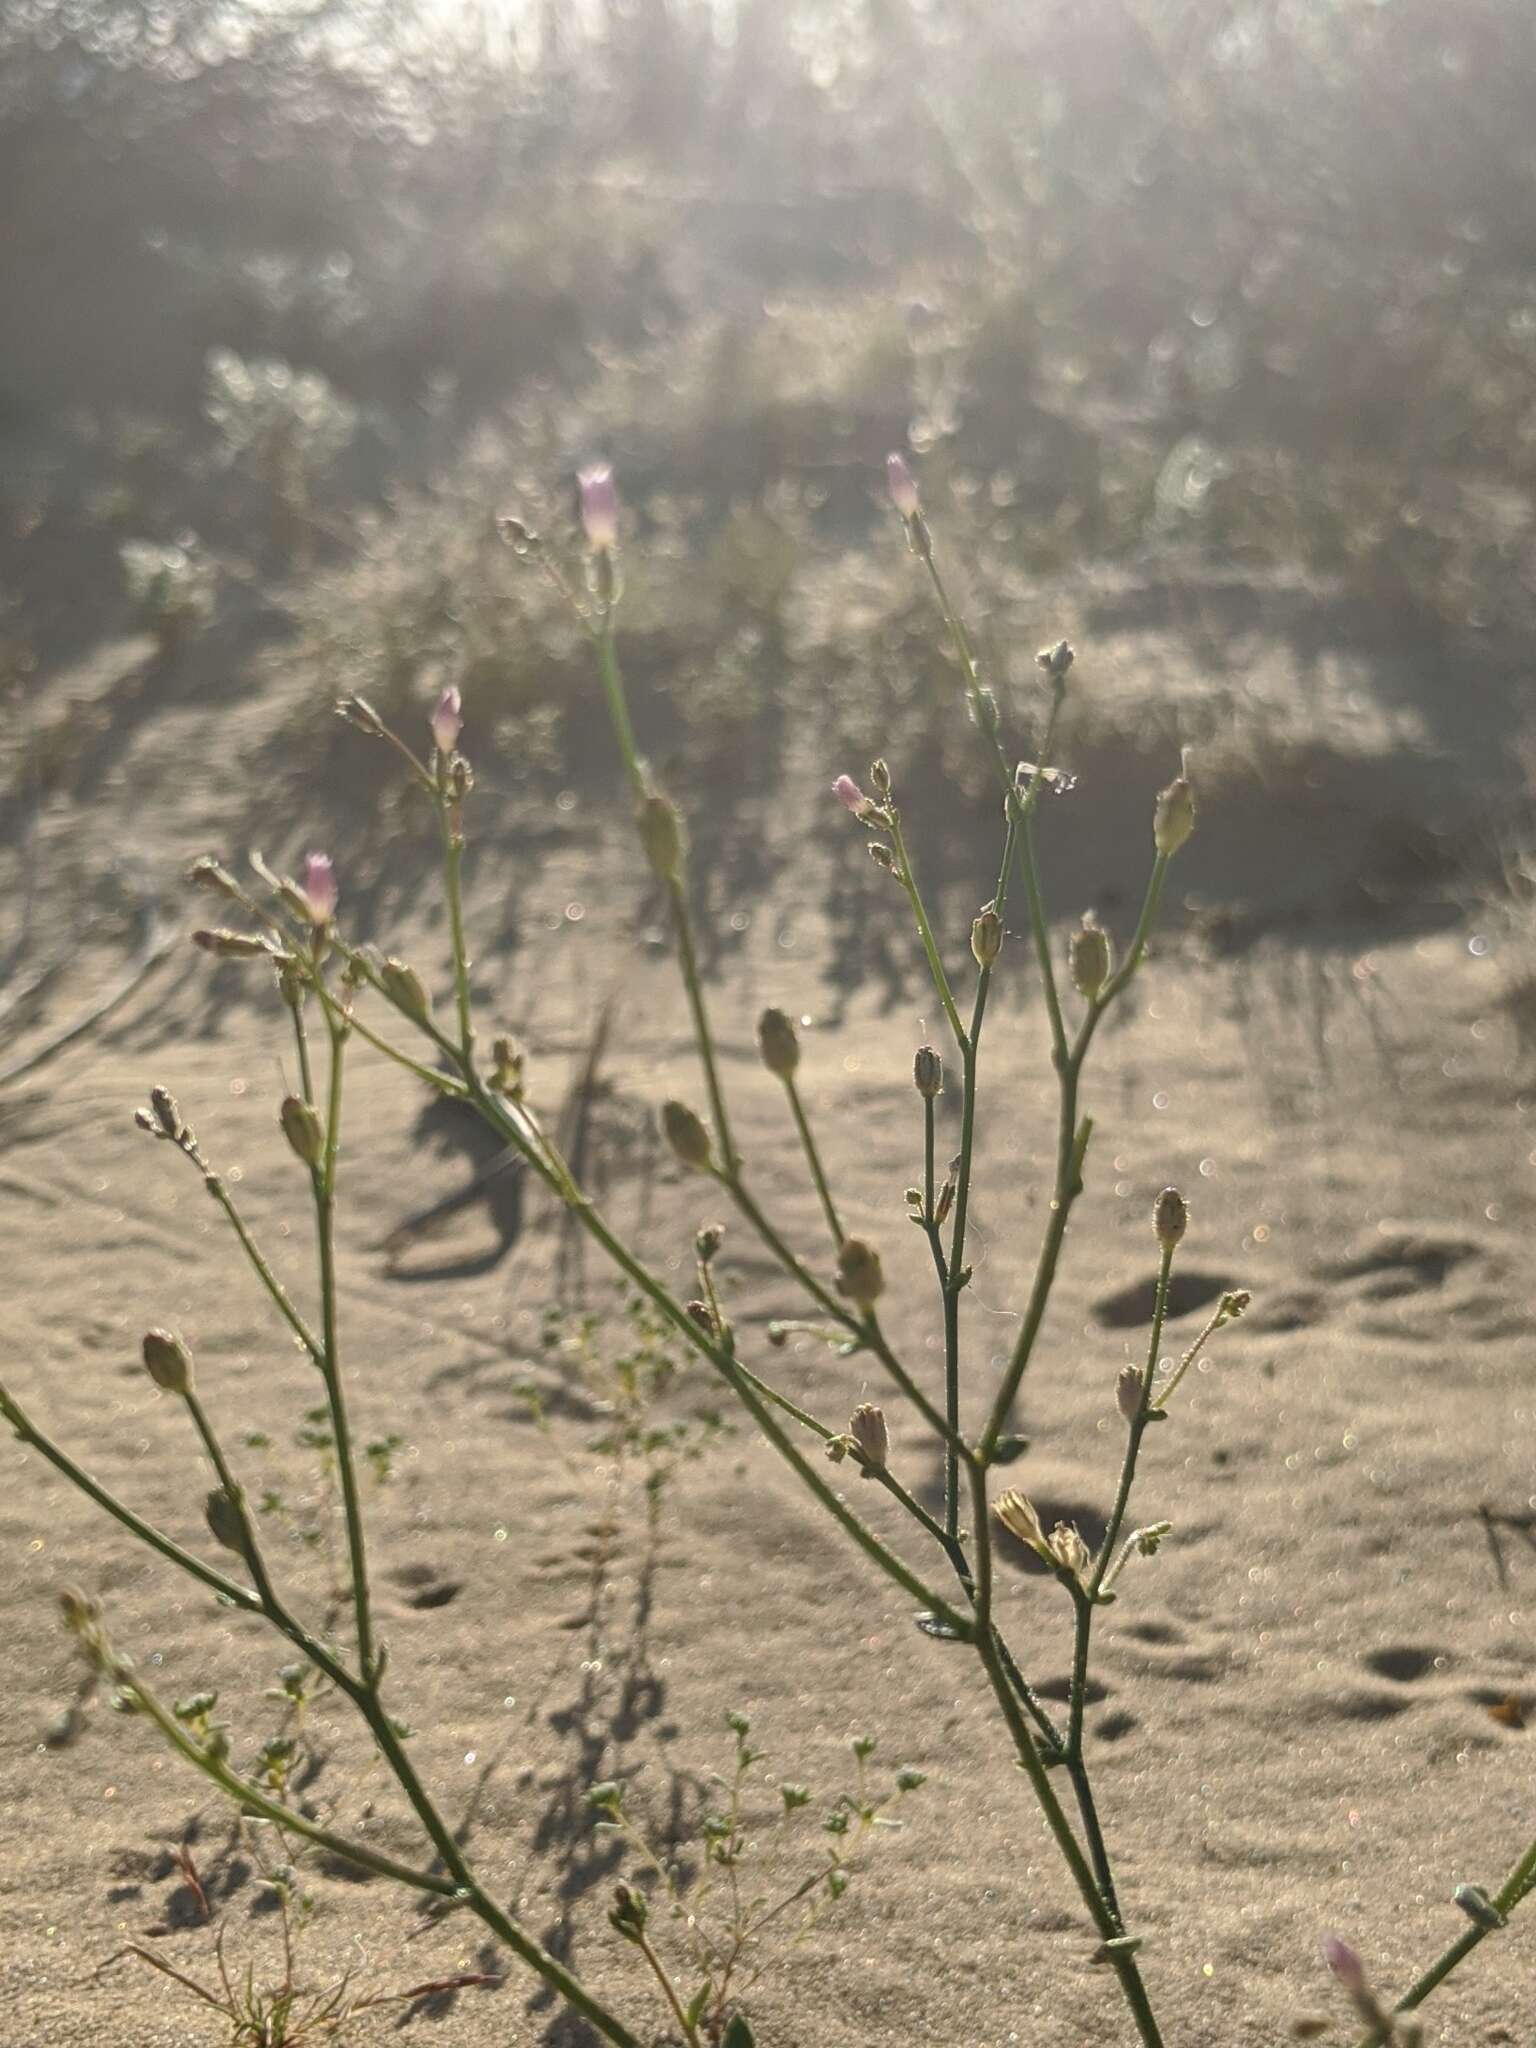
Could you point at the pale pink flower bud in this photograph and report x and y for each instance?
(902, 486)
(1344, 1963)
(447, 720)
(849, 794)
(599, 508)
(1128, 1392)
(318, 887)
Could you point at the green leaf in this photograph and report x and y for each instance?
(697, 2003)
(738, 2034)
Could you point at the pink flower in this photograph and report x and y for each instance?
(849, 794)
(447, 720)
(902, 485)
(599, 508)
(1344, 1963)
(318, 887)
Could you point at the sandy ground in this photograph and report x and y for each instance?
(1290, 1720)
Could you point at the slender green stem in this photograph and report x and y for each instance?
(813, 1159)
(618, 703)
(687, 958)
(1068, 1189)
(251, 1798)
(453, 863)
(324, 1177)
(216, 1582)
(669, 1989)
(214, 1183)
(444, 1084)
(908, 881)
(1517, 1886)
(234, 1493)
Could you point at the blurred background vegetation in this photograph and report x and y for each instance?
(1210, 323)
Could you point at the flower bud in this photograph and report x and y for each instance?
(1069, 1550)
(230, 945)
(1088, 957)
(461, 778)
(778, 1043)
(661, 836)
(882, 856)
(1128, 1392)
(599, 508)
(701, 1314)
(447, 720)
(1170, 1218)
(226, 1523)
(859, 1274)
(902, 486)
(167, 1362)
(868, 1429)
(880, 776)
(685, 1133)
(927, 1072)
(1016, 1512)
(1056, 660)
(708, 1242)
(359, 712)
(404, 988)
(519, 537)
(1173, 818)
(629, 1913)
(79, 1611)
(987, 937)
(850, 796)
(318, 887)
(301, 1127)
(508, 1065)
(207, 873)
(1344, 1963)
(167, 1113)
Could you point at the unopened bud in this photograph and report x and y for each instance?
(902, 486)
(1056, 660)
(508, 1069)
(404, 988)
(301, 1127)
(882, 856)
(708, 1242)
(868, 1429)
(927, 1072)
(685, 1133)
(703, 1315)
(519, 537)
(1173, 818)
(850, 796)
(166, 1112)
(226, 1523)
(1088, 957)
(946, 1201)
(232, 945)
(461, 778)
(1069, 1550)
(599, 508)
(1128, 1392)
(447, 720)
(207, 873)
(79, 1611)
(1478, 1907)
(1016, 1512)
(318, 887)
(167, 1362)
(1170, 1218)
(987, 936)
(859, 1274)
(629, 1913)
(1344, 1963)
(661, 836)
(359, 712)
(778, 1043)
(880, 776)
